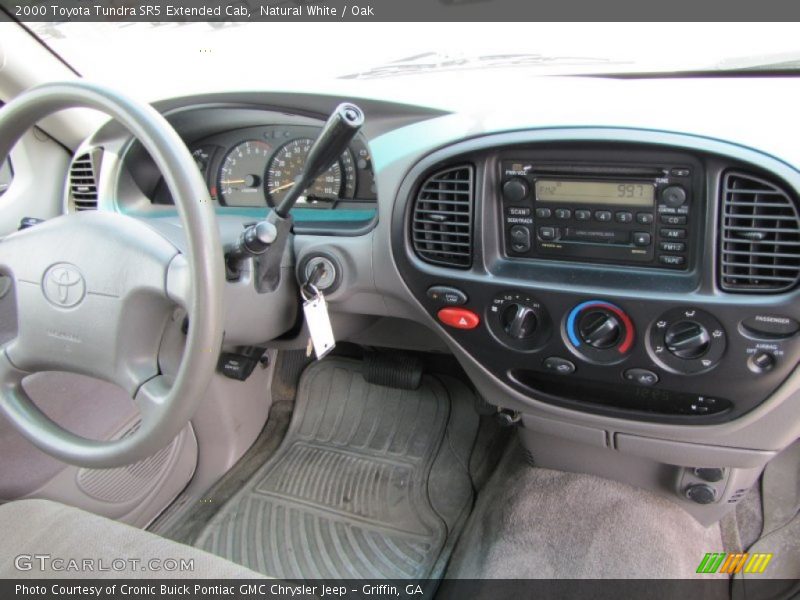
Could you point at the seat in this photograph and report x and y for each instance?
(44, 539)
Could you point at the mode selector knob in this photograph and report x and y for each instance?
(600, 329)
(519, 321)
(515, 190)
(687, 339)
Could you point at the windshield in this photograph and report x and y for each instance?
(171, 58)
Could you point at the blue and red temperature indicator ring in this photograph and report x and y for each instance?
(607, 346)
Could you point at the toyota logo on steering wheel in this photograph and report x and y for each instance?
(63, 285)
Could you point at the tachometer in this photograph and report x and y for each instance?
(287, 164)
(241, 173)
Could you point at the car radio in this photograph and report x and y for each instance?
(633, 215)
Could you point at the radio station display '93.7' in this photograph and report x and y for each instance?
(595, 192)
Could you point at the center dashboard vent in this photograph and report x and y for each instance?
(83, 181)
(760, 241)
(441, 223)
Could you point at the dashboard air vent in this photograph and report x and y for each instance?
(83, 182)
(441, 224)
(760, 243)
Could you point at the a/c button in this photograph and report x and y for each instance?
(641, 376)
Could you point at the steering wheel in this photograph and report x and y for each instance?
(95, 290)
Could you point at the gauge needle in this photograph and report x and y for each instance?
(282, 187)
(232, 181)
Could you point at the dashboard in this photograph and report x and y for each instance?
(627, 281)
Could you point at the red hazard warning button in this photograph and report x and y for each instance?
(460, 318)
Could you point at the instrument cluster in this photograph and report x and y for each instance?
(256, 167)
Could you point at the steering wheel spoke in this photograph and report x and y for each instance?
(179, 281)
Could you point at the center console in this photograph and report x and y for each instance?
(638, 281)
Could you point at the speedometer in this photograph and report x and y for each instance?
(288, 163)
(241, 173)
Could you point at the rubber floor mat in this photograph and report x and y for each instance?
(347, 493)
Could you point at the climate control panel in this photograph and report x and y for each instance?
(626, 357)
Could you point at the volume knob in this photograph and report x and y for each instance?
(515, 190)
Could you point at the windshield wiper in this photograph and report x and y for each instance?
(433, 61)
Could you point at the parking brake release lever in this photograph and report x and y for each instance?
(266, 240)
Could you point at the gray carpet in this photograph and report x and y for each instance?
(348, 494)
(780, 486)
(538, 523)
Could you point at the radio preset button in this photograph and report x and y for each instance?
(563, 213)
(673, 219)
(583, 215)
(544, 213)
(547, 233)
(673, 196)
(644, 218)
(672, 246)
(675, 234)
(624, 217)
(669, 259)
(602, 215)
(641, 238)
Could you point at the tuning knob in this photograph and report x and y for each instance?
(519, 321)
(687, 339)
(600, 329)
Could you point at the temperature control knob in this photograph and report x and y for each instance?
(687, 339)
(599, 331)
(599, 328)
(519, 321)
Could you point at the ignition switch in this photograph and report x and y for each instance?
(324, 271)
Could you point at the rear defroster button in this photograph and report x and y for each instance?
(460, 318)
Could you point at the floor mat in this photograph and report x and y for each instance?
(348, 494)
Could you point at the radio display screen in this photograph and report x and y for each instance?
(596, 192)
